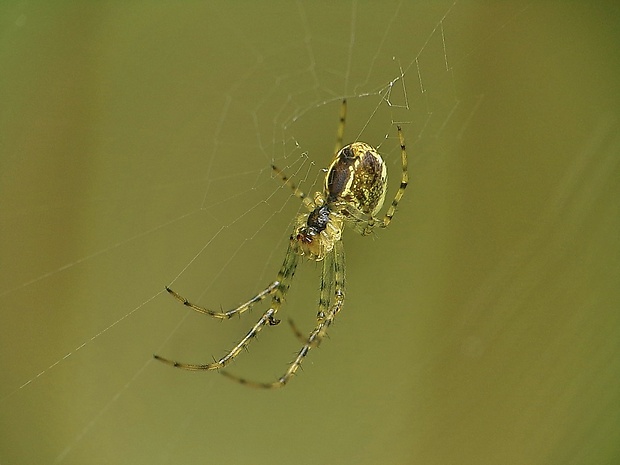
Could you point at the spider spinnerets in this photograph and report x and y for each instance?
(353, 193)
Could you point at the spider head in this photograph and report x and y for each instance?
(309, 242)
(316, 233)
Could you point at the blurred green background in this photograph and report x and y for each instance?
(136, 138)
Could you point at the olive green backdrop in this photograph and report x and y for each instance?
(136, 140)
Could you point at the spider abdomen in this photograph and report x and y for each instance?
(357, 178)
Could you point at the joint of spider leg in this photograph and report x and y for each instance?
(177, 296)
(279, 173)
(273, 321)
(229, 314)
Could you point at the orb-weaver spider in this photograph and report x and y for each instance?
(353, 193)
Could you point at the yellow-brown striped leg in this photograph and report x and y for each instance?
(287, 181)
(269, 290)
(341, 125)
(297, 332)
(327, 284)
(403, 183)
(285, 275)
(226, 359)
(319, 332)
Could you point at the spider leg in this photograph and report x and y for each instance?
(283, 281)
(269, 290)
(226, 359)
(341, 125)
(287, 181)
(324, 320)
(403, 182)
(297, 332)
(327, 282)
(365, 223)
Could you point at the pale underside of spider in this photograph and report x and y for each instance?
(353, 193)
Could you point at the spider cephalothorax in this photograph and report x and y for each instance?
(316, 232)
(353, 193)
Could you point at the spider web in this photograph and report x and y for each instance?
(137, 143)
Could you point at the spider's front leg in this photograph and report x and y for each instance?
(269, 290)
(267, 318)
(282, 284)
(334, 265)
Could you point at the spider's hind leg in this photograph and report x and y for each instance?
(278, 292)
(325, 318)
(269, 290)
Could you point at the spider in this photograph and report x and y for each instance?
(353, 193)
